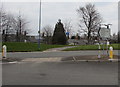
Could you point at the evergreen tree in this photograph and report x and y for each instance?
(59, 36)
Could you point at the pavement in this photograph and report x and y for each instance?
(39, 60)
(58, 49)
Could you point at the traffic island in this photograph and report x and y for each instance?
(40, 60)
(36, 60)
(88, 58)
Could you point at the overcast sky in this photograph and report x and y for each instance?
(52, 11)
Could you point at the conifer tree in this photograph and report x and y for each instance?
(59, 36)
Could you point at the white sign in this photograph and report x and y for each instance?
(105, 33)
(108, 43)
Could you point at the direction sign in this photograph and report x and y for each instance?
(104, 33)
(67, 33)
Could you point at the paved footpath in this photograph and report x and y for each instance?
(58, 49)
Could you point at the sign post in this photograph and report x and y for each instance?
(105, 34)
(67, 33)
(99, 56)
(107, 47)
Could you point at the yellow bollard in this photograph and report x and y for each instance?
(111, 52)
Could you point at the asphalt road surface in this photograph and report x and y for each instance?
(61, 73)
(53, 54)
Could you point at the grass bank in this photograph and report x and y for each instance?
(28, 47)
(92, 47)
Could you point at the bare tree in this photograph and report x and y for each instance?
(68, 26)
(11, 25)
(3, 19)
(47, 33)
(1, 14)
(90, 20)
(7, 23)
(21, 28)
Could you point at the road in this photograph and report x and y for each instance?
(61, 73)
(53, 54)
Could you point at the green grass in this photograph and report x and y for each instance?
(92, 47)
(28, 47)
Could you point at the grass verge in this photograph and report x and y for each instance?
(28, 47)
(92, 47)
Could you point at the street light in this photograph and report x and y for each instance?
(39, 24)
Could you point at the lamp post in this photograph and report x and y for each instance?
(39, 24)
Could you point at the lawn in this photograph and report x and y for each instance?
(28, 47)
(92, 47)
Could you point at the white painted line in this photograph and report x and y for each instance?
(9, 62)
(114, 60)
(13, 62)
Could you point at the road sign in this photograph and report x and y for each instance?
(104, 33)
(67, 33)
(108, 43)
